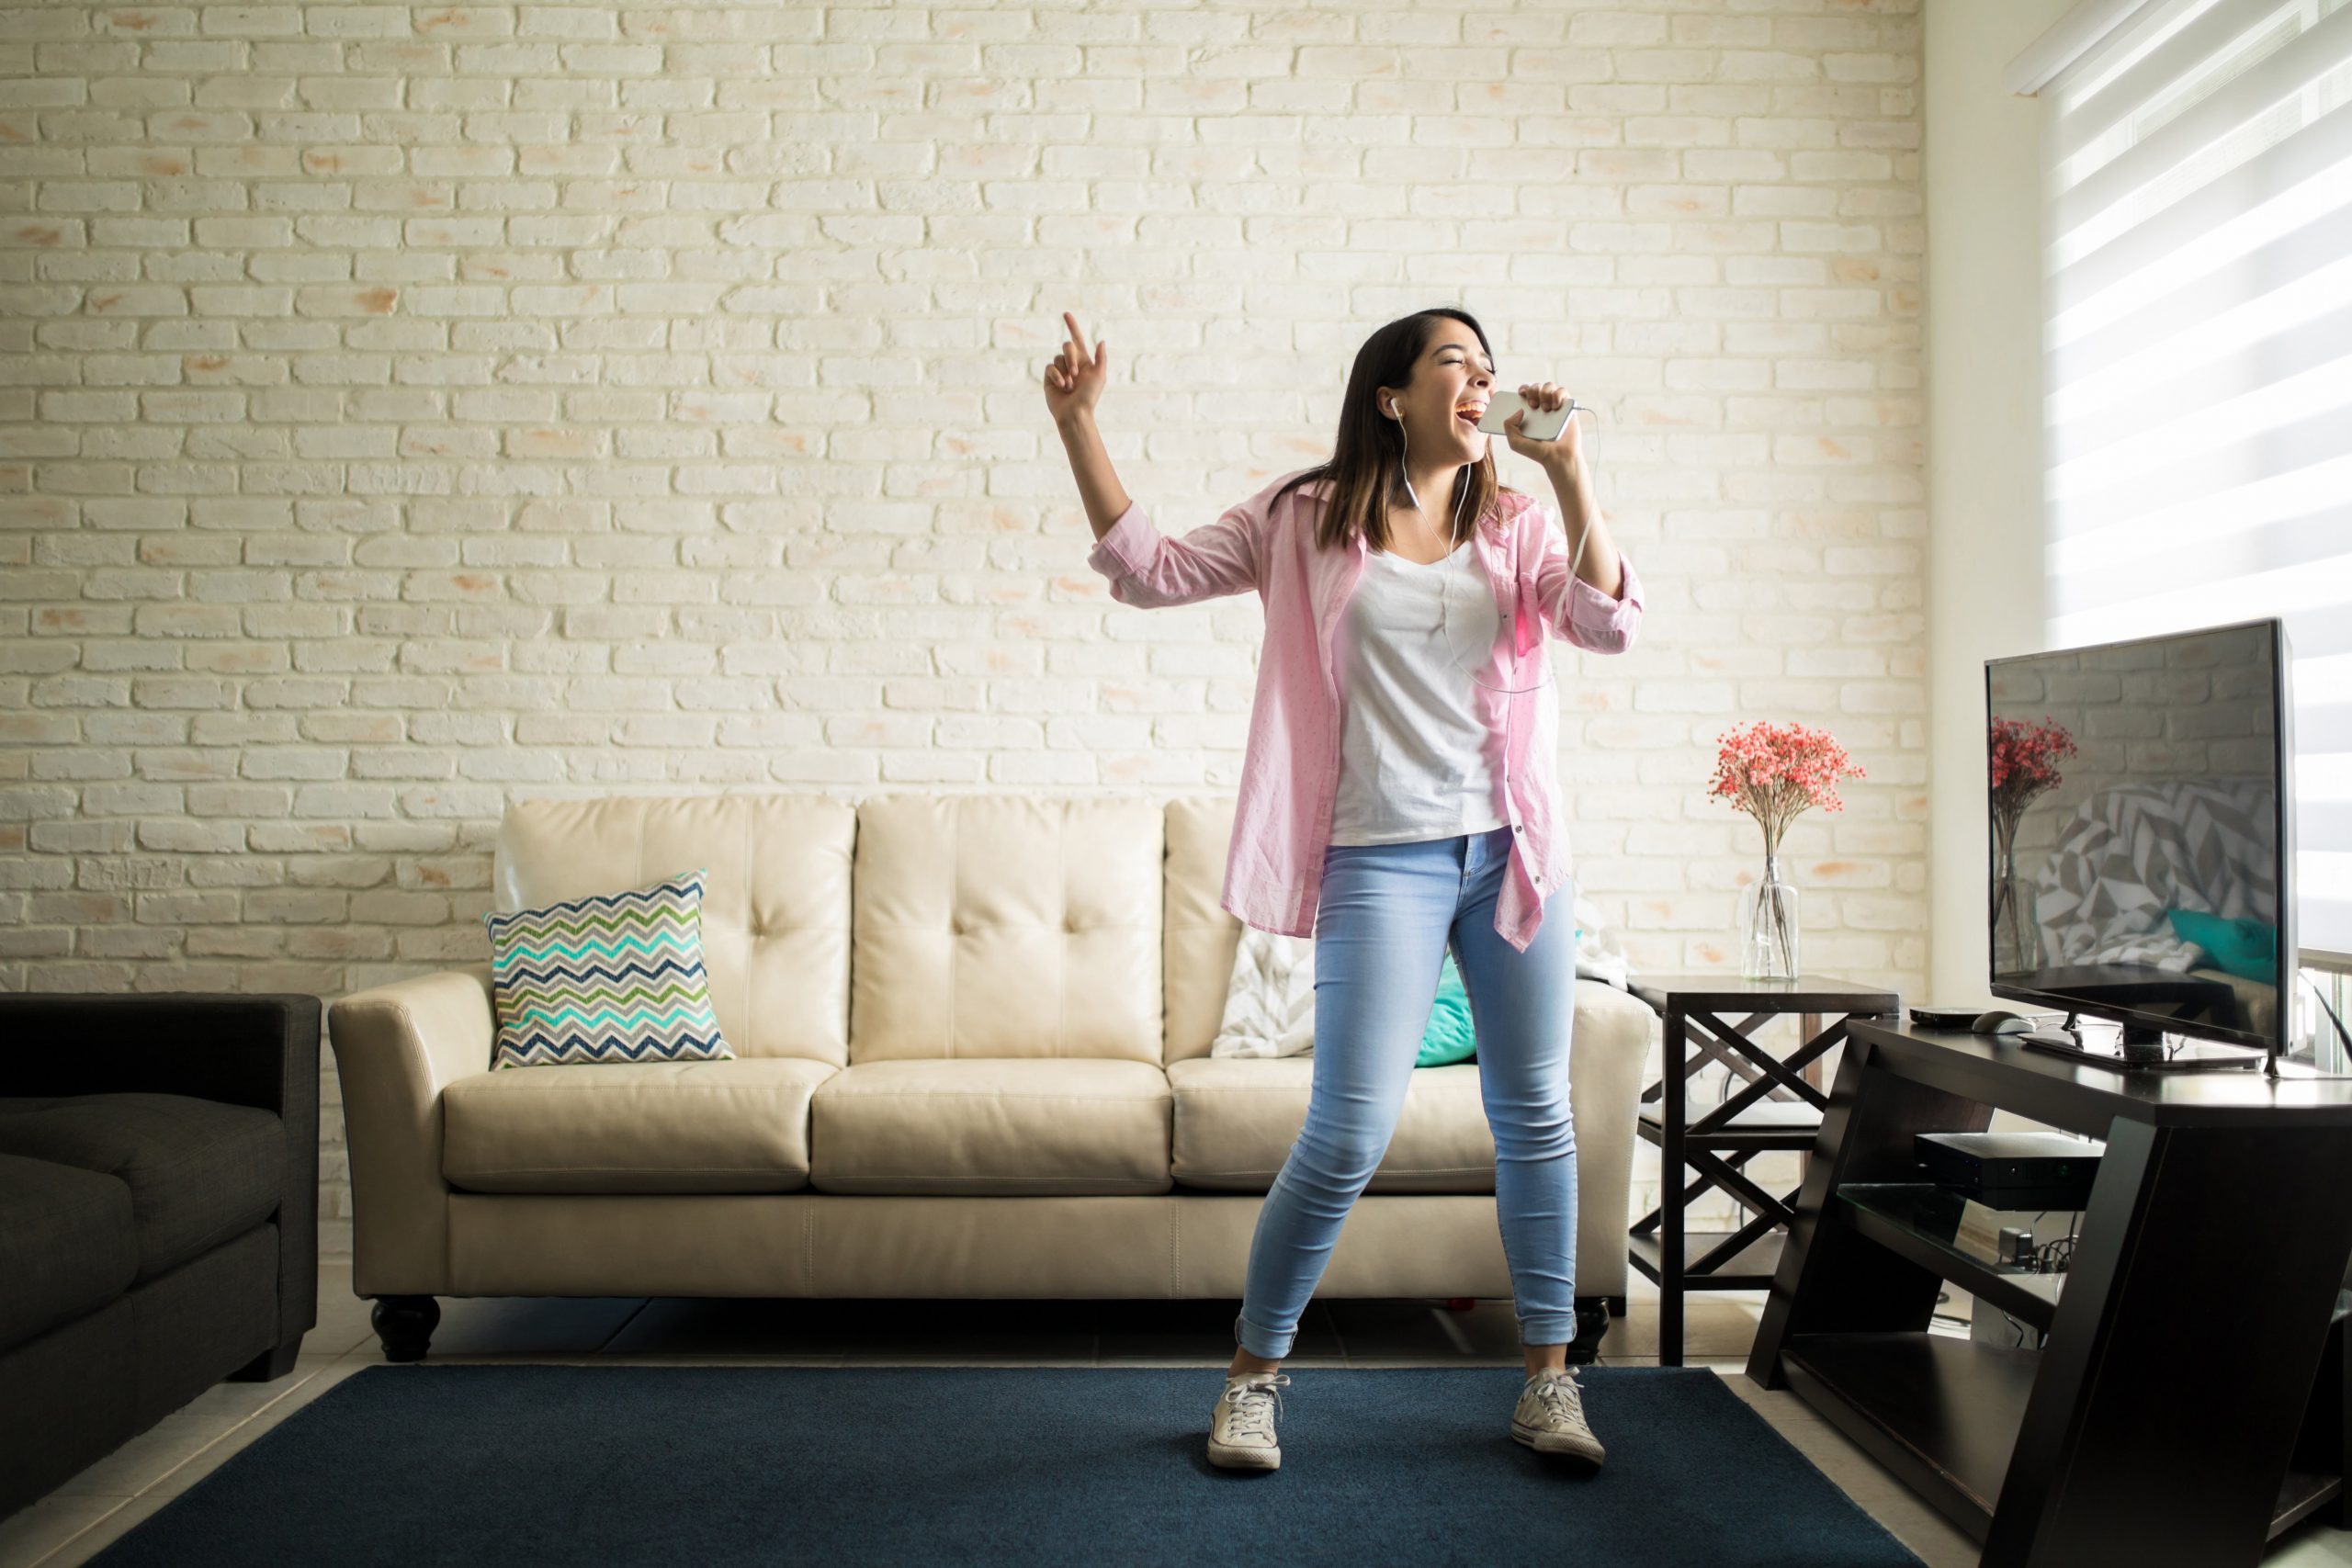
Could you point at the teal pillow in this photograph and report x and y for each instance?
(1449, 1037)
(2247, 949)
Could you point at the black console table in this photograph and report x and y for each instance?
(1778, 1106)
(2188, 1401)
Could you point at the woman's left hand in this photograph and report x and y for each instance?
(1562, 449)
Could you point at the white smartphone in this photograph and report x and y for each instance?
(1540, 425)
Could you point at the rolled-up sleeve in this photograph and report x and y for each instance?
(1150, 570)
(1573, 608)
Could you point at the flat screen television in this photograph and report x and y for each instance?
(2140, 802)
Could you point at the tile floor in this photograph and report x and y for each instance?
(110, 1497)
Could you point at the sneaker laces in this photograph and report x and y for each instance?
(1253, 1405)
(1561, 1397)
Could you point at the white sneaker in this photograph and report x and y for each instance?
(1550, 1419)
(1241, 1429)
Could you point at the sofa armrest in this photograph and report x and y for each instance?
(396, 1047)
(261, 1051)
(257, 1051)
(1607, 1049)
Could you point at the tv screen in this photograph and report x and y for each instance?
(2141, 803)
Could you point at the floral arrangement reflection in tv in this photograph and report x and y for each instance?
(2024, 758)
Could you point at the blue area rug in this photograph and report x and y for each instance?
(631, 1464)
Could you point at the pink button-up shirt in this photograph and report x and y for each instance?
(1290, 771)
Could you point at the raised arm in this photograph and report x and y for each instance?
(1144, 569)
(1074, 384)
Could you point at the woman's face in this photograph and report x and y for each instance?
(1453, 381)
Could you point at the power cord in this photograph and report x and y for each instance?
(2341, 1032)
(2056, 1256)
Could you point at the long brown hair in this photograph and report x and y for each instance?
(1366, 471)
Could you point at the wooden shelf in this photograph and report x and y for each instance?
(1943, 1413)
(1750, 1269)
(2300, 1495)
(1767, 1125)
(1908, 1217)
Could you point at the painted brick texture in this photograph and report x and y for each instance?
(405, 406)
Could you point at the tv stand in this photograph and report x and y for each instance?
(2141, 1048)
(2139, 1432)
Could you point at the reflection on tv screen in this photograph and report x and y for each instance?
(2134, 801)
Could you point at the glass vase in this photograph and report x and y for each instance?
(2017, 936)
(1767, 927)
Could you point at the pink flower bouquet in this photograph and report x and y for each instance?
(1773, 771)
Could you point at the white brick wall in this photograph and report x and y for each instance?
(404, 406)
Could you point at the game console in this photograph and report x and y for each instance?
(2011, 1170)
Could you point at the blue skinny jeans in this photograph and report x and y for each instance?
(1387, 916)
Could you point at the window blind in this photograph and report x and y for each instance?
(2198, 363)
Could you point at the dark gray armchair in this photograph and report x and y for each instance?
(158, 1173)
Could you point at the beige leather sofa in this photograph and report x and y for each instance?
(973, 1040)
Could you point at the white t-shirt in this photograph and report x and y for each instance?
(1413, 758)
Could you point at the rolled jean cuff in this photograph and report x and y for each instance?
(1242, 1340)
(1548, 1329)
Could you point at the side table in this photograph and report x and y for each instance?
(1781, 1107)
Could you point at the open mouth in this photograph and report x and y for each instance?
(1470, 414)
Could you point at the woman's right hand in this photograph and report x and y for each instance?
(1074, 381)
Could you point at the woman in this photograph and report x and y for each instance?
(1397, 799)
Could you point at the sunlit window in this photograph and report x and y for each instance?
(2197, 341)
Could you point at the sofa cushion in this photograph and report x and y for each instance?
(201, 1173)
(722, 1126)
(67, 1246)
(1237, 1116)
(1005, 926)
(1080, 1125)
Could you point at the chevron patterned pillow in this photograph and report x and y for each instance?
(614, 979)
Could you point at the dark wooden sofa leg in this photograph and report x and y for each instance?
(405, 1325)
(1592, 1323)
(271, 1364)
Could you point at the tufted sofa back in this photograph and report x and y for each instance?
(1005, 926)
(920, 925)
